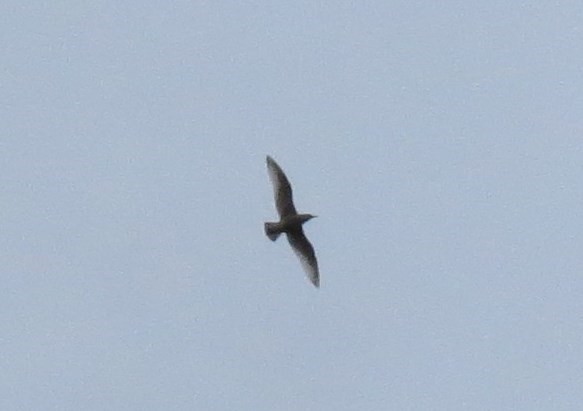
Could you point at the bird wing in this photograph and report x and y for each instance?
(281, 189)
(305, 252)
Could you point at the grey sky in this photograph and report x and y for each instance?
(440, 144)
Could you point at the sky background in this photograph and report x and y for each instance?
(440, 144)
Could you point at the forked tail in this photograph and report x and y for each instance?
(271, 231)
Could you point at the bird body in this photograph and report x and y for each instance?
(291, 222)
(286, 224)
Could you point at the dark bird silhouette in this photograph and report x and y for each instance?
(290, 222)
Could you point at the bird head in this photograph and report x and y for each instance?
(306, 217)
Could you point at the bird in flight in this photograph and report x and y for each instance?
(290, 222)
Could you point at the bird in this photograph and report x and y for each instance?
(290, 222)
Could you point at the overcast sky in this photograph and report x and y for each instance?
(440, 144)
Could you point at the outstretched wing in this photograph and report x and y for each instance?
(305, 252)
(281, 189)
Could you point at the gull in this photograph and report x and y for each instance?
(290, 222)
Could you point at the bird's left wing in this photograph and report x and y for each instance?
(305, 252)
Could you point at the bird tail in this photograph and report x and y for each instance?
(271, 230)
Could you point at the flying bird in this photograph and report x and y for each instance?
(290, 222)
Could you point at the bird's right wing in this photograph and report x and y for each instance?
(281, 189)
(305, 252)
